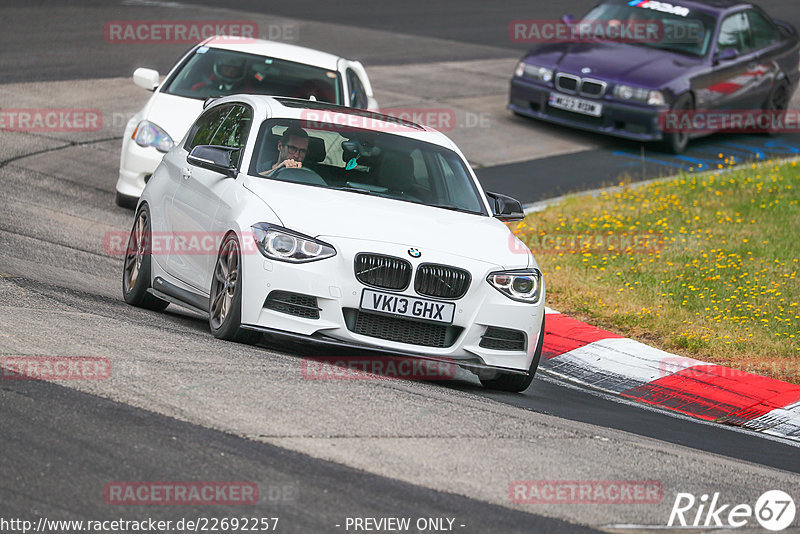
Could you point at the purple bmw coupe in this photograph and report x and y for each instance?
(661, 58)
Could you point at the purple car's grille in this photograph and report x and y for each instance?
(569, 83)
(592, 88)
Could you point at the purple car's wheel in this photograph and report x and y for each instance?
(676, 142)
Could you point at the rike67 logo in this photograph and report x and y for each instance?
(774, 510)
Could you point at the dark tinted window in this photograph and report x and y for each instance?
(206, 126)
(763, 31)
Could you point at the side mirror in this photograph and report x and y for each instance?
(214, 158)
(568, 19)
(727, 54)
(505, 208)
(146, 78)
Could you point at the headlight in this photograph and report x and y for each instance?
(639, 94)
(541, 74)
(523, 286)
(149, 134)
(280, 244)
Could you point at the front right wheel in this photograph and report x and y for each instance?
(517, 383)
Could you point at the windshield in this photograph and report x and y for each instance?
(368, 162)
(212, 72)
(680, 29)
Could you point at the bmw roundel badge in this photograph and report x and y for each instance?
(414, 253)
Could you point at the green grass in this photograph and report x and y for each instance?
(713, 274)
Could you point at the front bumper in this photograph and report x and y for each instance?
(333, 284)
(629, 121)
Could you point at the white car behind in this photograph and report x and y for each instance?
(266, 67)
(382, 240)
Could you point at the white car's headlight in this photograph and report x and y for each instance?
(524, 285)
(541, 74)
(280, 244)
(639, 94)
(149, 134)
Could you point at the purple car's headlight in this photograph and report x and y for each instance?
(534, 72)
(639, 94)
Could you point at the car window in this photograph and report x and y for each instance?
(763, 31)
(233, 130)
(373, 160)
(358, 96)
(735, 33)
(204, 128)
(214, 72)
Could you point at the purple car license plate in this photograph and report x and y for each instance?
(578, 105)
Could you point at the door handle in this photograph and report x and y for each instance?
(186, 173)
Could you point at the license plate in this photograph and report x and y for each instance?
(578, 105)
(413, 307)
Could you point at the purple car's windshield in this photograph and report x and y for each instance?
(679, 29)
(212, 72)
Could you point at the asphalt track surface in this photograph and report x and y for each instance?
(60, 446)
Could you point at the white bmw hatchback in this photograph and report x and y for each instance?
(222, 66)
(341, 227)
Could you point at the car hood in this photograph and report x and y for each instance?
(319, 212)
(175, 114)
(615, 62)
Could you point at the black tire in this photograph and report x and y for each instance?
(517, 383)
(676, 142)
(777, 101)
(136, 271)
(126, 201)
(225, 300)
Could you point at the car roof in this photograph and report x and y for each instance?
(262, 47)
(298, 108)
(712, 7)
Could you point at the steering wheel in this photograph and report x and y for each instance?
(307, 175)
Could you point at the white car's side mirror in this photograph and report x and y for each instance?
(146, 78)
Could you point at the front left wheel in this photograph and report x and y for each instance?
(136, 273)
(225, 302)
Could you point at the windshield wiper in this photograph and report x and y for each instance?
(453, 208)
(355, 190)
